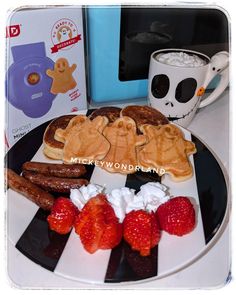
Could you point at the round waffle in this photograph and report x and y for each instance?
(112, 113)
(144, 115)
(52, 147)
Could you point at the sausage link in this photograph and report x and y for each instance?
(31, 191)
(54, 184)
(58, 170)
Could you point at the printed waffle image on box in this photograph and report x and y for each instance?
(45, 74)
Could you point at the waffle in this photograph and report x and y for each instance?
(118, 144)
(166, 151)
(122, 157)
(62, 133)
(52, 147)
(84, 141)
(144, 115)
(112, 113)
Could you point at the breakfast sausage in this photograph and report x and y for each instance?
(31, 191)
(58, 170)
(54, 184)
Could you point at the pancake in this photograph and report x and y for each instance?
(52, 147)
(144, 115)
(112, 113)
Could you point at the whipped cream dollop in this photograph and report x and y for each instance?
(124, 200)
(154, 194)
(149, 198)
(181, 59)
(80, 196)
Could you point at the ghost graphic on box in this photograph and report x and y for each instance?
(64, 34)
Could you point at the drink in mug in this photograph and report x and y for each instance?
(178, 79)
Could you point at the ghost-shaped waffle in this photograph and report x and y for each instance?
(84, 141)
(166, 151)
(123, 138)
(61, 134)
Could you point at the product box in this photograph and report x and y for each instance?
(45, 74)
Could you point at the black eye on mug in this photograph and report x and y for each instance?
(185, 90)
(160, 86)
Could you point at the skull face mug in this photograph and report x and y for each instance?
(178, 79)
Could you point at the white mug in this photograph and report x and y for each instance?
(176, 90)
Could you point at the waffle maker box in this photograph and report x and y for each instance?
(45, 70)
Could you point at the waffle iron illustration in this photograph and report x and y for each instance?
(27, 84)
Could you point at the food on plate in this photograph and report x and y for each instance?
(62, 133)
(144, 115)
(81, 195)
(139, 218)
(54, 184)
(177, 216)
(141, 231)
(112, 113)
(102, 220)
(150, 196)
(58, 170)
(31, 191)
(85, 141)
(123, 140)
(166, 150)
(52, 147)
(62, 216)
(97, 225)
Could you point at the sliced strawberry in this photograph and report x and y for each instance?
(177, 216)
(90, 234)
(62, 216)
(141, 231)
(113, 229)
(97, 225)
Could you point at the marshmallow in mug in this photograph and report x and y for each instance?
(180, 59)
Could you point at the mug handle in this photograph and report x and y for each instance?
(219, 64)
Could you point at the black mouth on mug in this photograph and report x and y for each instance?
(172, 119)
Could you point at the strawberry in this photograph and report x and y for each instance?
(177, 216)
(97, 225)
(62, 216)
(141, 231)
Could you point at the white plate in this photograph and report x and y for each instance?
(64, 254)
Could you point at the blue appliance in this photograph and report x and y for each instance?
(27, 84)
(104, 36)
(104, 43)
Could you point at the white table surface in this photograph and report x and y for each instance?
(211, 125)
